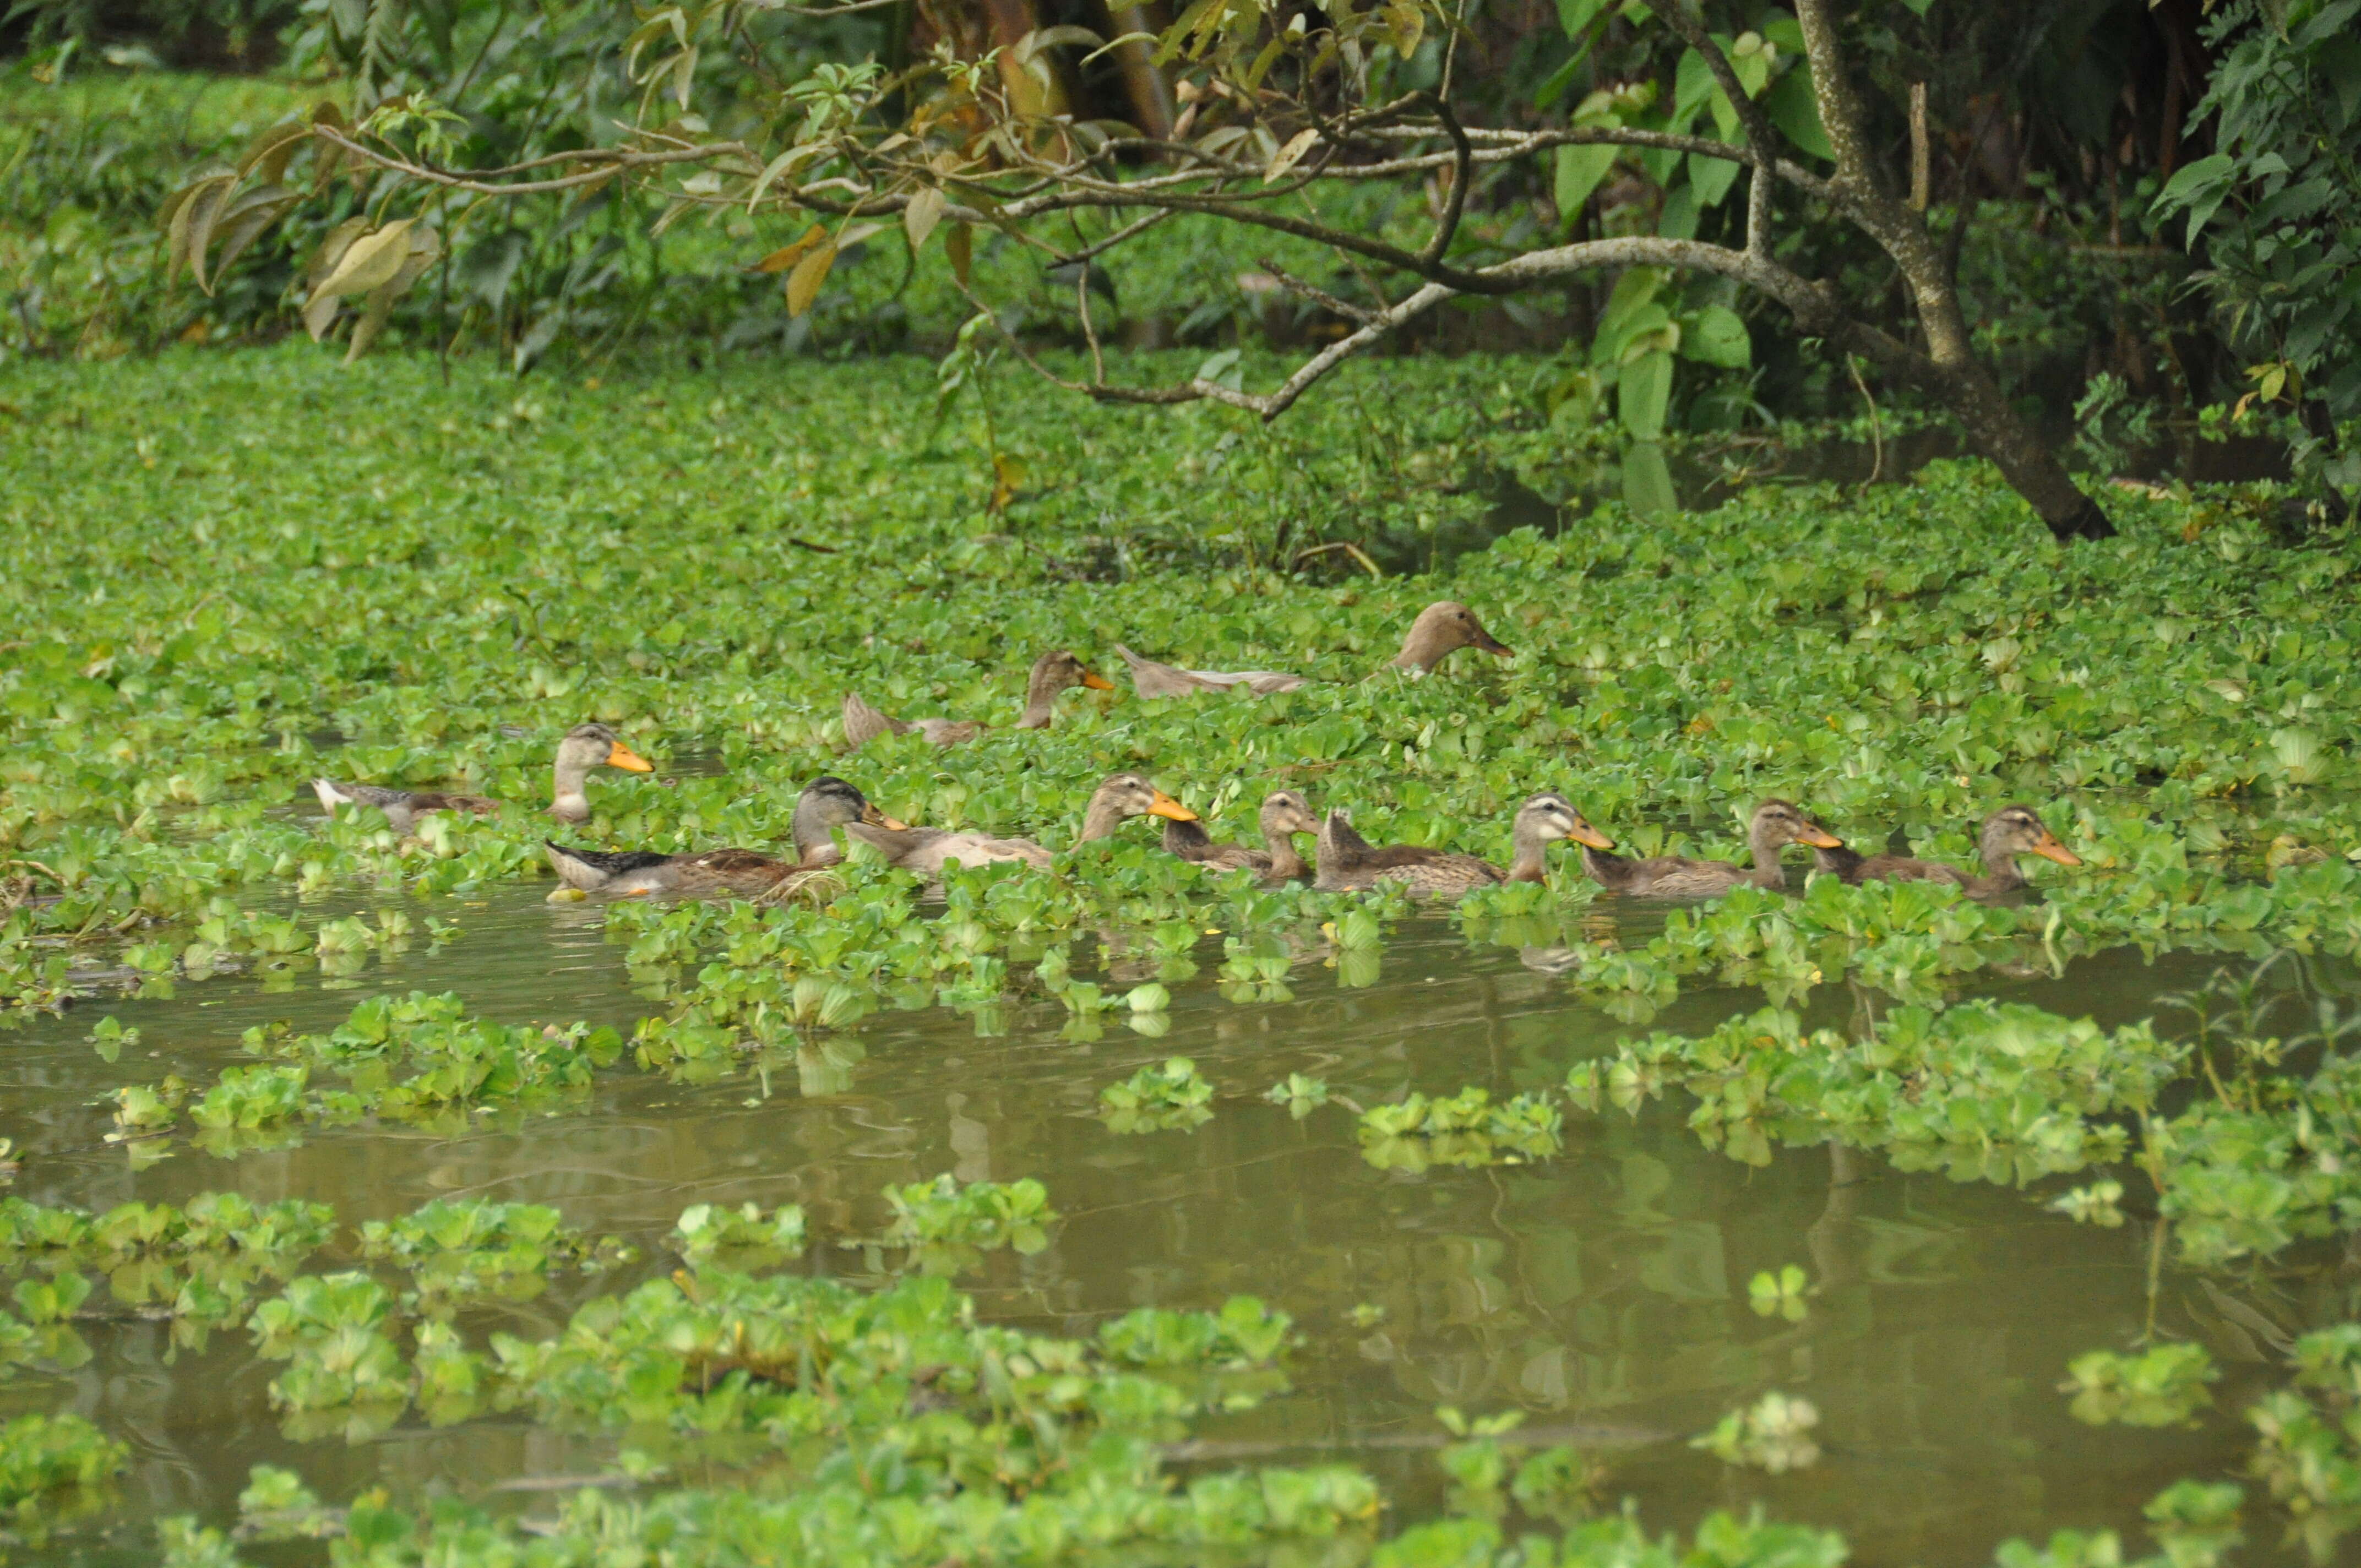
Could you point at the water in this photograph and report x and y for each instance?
(1603, 1292)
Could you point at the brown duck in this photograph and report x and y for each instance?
(585, 747)
(2011, 831)
(1284, 813)
(928, 850)
(1775, 825)
(826, 803)
(1150, 678)
(1441, 629)
(1347, 861)
(1053, 672)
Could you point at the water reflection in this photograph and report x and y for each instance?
(1603, 1293)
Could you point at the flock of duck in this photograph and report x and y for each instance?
(1342, 860)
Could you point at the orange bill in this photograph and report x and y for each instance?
(1097, 682)
(876, 818)
(1584, 833)
(1818, 836)
(623, 757)
(2049, 848)
(1165, 806)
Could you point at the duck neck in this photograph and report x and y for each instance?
(1529, 860)
(569, 801)
(1605, 870)
(2001, 873)
(1764, 841)
(1041, 689)
(814, 844)
(1100, 820)
(1285, 862)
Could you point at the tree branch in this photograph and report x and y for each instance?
(1321, 297)
(1455, 204)
(1761, 139)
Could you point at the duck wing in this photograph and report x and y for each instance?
(946, 731)
(927, 849)
(1150, 678)
(592, 869)
(1676, 876)
(1902, 868)
(864, 723)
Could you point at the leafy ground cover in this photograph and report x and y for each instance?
(237, 573)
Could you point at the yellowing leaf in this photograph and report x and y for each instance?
(787, 256)
(370, 260)
(918, 219)
(803, 283)
(1288, 157)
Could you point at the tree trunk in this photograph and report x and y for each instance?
(1961, 380)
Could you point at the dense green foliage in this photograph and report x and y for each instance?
(239, 572)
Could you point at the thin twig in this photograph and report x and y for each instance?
(1318, 296)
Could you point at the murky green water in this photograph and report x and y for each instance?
(1603, 1292)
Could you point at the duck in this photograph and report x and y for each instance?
(1441, 629)
(2011, 831)
(1347, 861)
(928, 850)
(1053, 672)
(1284, 813)
(827, 803)
(1150, 678)
(1775, 825)
(585, 747)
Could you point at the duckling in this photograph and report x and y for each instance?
(585, 747)
(827, 803)
(1053, 672)
(1150, 678)
(2011, 831)
(1441, 628)
(1349, 861)
(1284, 815)
(927, 849)
(1775, 825)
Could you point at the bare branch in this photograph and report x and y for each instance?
(1320, 297)
(610, 162)
(1455, 204)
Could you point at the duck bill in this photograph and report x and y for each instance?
(1493, 646)
(622, 756)
(2049, 848)
(1165, 806)
(1096, 682)
(876, 818)
(1584, 833)
(1818, 837)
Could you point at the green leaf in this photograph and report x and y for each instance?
(1794, 108)
(1648, 481)
(1580, 170)
(1716, 335)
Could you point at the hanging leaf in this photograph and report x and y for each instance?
(242, 223)
(1580, 170)
(331, 249)
(370, 260)
(1648, 480)
(1644, 393)
(803, 283)
(960, 245)
(1716, 335)
(787, 256)
(925, 210)
(272, 149)
(425, 249)
(191, 226)
(1795, 110)
(1288, 157)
